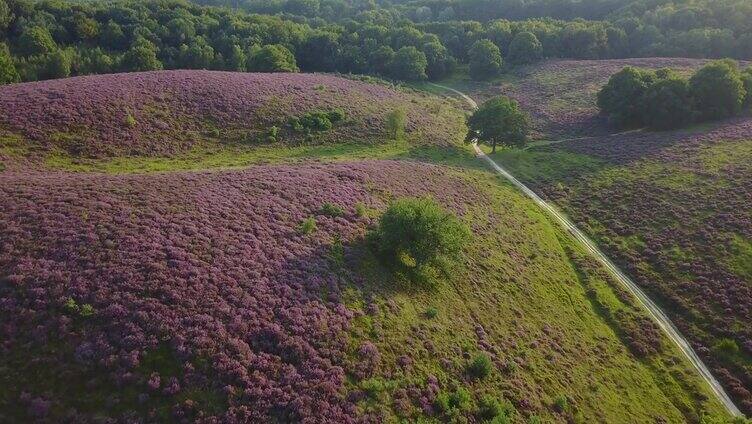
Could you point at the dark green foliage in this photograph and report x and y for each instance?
(196, 55)
(439, 62)
(668, 104)
(485, 60)
(142, 56)
(665, 100)
(524, 48)
(621, 98)
(409, 64)
(419, 239)
(561, 404)
(55, 65)
(431, 313)
(317, 121)
(727, 348)
(490, 409)
(717, 90)
(498, 121)
(36, 40)
(272, 58)
(457, 401)
(8, 72)
(747, 81)
(480, 366)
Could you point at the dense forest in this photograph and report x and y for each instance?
(404, 41)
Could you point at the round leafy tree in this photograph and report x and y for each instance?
(621, 98)
(499, 121)
(668, 104)
(485, 59)
(717, 90)
(419, 239)
(409, 64)
(272, 58)
(524, 48)
(35, 41)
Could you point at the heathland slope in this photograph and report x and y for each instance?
(672, 208)
(560, 95)
(167, 113)
(197, 295)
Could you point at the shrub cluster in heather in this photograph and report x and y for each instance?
(664, 99)
(162, 113)
(187, 297)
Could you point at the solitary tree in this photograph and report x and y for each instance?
(717, 89)
(524, 48)
(498, 121)
(485, 59)
(417, 238)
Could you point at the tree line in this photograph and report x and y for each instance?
(53, 39)
(665, 99)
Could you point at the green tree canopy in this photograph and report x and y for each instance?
(36, 41)
(141, 57)
(418, 238)
(717, 89)
(667, 103)
(621, 98)
(409, 64)
(272, 58)
(524, 48)
(499, 121)
(8, 72)
(485, 59)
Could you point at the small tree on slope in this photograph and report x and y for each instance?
(498, 121)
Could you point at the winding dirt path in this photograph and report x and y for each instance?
(653, 309)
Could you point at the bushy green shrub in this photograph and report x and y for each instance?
(458, 400)
(431, 312)
(317, 121)
(668, 103)
(330, 209)
(419, 239)
(480, 366)
(308, 226)
(717, 89)
(396, 120)
(490, 409)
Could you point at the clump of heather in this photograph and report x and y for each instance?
(187, 296)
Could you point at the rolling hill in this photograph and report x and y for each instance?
(199, 296)
(560, 94)
(174, 113)
(672, 208)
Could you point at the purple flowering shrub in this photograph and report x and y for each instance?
(188, 297)
(167, 112)
(670, 208)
